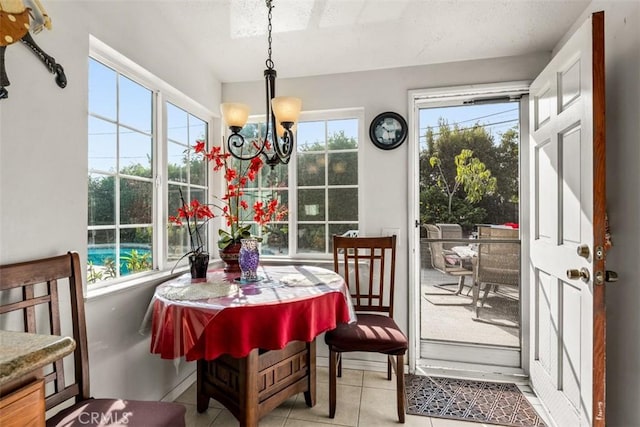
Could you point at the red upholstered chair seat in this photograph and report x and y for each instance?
(372, 333)
(106, 412)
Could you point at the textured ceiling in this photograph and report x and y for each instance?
(312, 37)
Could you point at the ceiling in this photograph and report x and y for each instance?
(314, 37)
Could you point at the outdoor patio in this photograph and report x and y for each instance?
(448, 317)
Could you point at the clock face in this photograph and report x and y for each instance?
(388, 130)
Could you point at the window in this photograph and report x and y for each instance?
(327, 182)
(135, 176)
(322, 200)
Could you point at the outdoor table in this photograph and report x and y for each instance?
(254, 342)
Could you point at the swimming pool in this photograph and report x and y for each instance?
(99, 254)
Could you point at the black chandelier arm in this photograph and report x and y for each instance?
(236, 144)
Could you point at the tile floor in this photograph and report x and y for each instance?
(365, 399)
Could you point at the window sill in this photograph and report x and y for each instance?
(151, 279)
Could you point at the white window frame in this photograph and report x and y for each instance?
(162, 93)
(308, 116)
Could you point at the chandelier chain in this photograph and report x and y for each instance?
(269, 61)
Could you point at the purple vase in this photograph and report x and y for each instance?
(249, 260)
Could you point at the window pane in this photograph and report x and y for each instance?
(311, 136)
(276, 177)
(311, 205)
(102, 90)
(311, 238)
(197, 169)
(343, 134)
(101, 200)
(343, 168)
(134, 105)
(136, 201)
(177, 124)
(275, 239)
(311, 169)
(102, 145)
(101, 255)
(135, 250)
(343, 204)
(176, 162)
(135, 153)
(178, 242)
(339, 229)
(197, 130)
(174, 198)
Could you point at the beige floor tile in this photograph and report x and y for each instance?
(226, 419)
(304, 423)
(379, 408)
(194, 419)
(347, 407)
(377, 379)
(189, 397)
(349, 376)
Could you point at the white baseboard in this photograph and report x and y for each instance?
(180, 388)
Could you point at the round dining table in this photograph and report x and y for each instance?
(254, 342)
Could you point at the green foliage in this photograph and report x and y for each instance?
(466, 178)
(136, 261)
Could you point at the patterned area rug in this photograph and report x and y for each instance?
(468, 400)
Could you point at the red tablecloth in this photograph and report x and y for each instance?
(289, 304)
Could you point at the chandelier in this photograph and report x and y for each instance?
(281, 115)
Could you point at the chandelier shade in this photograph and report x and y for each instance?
(282, 113)
(235, 114)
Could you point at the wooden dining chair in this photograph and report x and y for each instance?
(368, 267)
(33, 299)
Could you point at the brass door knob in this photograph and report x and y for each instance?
(575, 274)
(583, 251)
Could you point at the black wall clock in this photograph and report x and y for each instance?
(388, 130)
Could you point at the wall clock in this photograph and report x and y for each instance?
(388, 130)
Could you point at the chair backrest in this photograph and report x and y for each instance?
(498, 263)
(32, 294)
(442, 231)
(450, 231)
(437, 256)
(368, 265)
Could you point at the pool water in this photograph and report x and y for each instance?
(98, 255)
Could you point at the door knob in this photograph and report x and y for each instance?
(610, 276)
(575, 274)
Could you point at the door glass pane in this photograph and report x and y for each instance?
(469, 195)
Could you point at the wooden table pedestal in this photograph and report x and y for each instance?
(252, 386)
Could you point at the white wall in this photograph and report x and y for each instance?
(384, 184)
(622, 71)
(43, 170)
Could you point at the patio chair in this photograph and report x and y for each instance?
(32, 294)
(368, 266)
(498, 264)
(443, 258)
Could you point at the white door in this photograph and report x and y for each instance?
(568, 215)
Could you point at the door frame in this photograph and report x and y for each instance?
(444, 96)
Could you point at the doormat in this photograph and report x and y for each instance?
(469, 400)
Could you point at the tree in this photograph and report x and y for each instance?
(471, 174)
(463, 206)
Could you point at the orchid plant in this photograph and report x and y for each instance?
(233, 205)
